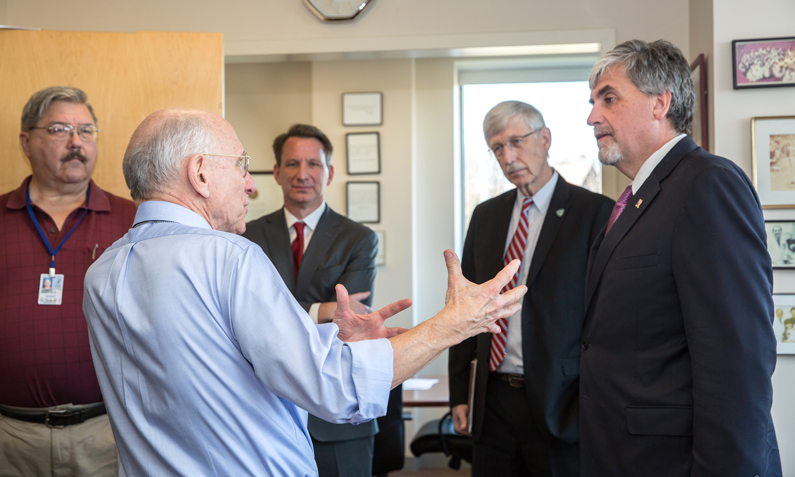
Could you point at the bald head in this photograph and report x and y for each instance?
(163, 141)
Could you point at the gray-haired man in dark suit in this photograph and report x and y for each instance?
(314, 248)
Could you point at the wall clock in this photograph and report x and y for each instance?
(337, 10)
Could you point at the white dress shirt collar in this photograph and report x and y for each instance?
(310, 220)
(645, 170)
(543, 197)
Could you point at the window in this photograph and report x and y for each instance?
(565, 107)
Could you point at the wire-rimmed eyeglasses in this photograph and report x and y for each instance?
(242, 163)
(61, 131)
(514, 142)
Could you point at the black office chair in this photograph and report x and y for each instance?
(389, 453)
(438, 436)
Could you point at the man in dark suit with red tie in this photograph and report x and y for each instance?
(526, 401)
(678, 344)
(314, 248)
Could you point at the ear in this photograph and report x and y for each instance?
(546, 138)
(24, 140)
(330, 174)
(661, 103)
(276, 173)
(198, 175)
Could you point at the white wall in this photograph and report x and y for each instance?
(257, 27)
(734, 20)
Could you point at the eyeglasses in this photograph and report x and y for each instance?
(515, 143)
(62, 131)
(242, 163)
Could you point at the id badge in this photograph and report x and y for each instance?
(50, 289)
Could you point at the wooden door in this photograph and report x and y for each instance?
(125, 75)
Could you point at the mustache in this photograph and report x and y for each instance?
(74, 154)
(514, 167)
(603, 131)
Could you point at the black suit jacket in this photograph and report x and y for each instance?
(341, 251)
(678, 344)
(552, 310)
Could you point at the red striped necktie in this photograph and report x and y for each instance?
(515, 250)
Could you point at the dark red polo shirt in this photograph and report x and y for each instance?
(45, 358)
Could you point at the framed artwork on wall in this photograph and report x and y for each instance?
(773, 154)
(364, 201)
(698, 73)
(362, 109)
(784, 323)
(363, 152)
(763, 63)
(781, 242)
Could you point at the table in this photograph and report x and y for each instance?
(437, 396)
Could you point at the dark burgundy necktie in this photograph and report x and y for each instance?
(298, 246)
(626, 196)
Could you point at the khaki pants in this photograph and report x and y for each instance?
(28, 449)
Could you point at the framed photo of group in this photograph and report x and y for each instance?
(763, 63)
(773, 153)
(784, 323)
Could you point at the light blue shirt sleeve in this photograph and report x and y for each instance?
(336, 381)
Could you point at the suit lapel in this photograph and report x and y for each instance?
(322, 238)
(632, 212)
(558, 207)
(278, 239)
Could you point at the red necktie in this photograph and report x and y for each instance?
(626, 196)
(515, 250)
(298, 246)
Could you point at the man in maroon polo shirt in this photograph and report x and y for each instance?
(52, 228)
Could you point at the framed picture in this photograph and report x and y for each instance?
(364, 202)
(781, 243)
(362, 109)
(764, 62)
(773, 153)
(364, 153)
(698, 72)
(784, 323)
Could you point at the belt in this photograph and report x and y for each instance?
(513, 380)
(55, 418)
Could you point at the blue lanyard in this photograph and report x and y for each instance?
(53, 253)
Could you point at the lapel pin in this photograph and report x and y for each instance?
(640, 201)
(559, 212)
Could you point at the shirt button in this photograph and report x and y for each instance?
(584, 345)
(53, 230)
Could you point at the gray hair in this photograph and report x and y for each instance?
(41, 100)
(497, 118)
(152, 162)
(654, 68)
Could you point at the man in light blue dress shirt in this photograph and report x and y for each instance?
(206, 362)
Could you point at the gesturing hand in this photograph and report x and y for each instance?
(355, 327)
(476, 308)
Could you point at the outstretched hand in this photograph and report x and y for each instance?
(355, 327)
(482, 305)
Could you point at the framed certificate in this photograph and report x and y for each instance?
(362, 109)
(364, 202)
(364, 153)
